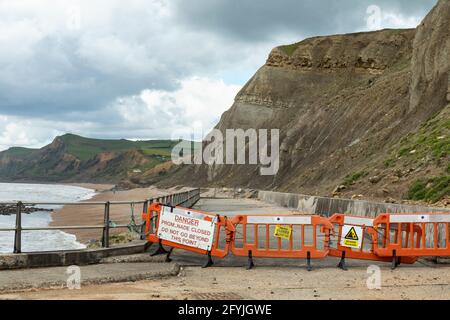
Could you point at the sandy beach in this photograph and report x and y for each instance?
(93, 214)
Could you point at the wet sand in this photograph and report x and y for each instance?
(93, 214)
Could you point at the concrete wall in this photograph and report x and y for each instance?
(67, 258)
(329, 206)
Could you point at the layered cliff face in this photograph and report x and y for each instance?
(343, 104)
(431, 60)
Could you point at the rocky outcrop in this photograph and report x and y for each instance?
(431, 60)
(363, 52)
(7, 210)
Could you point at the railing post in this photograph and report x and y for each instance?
(105, 238)
(18, 232)
(145, 209)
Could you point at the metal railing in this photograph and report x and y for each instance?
(186, 199)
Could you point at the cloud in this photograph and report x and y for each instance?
(152, 114)
(65, 64)
(243, 20)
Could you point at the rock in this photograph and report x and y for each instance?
(398, 173)
(339, 189)
(390, 200)
(7, 210)
(374, 179)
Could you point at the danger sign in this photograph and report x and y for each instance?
(186, 228)
(351, 237)
(283, 232)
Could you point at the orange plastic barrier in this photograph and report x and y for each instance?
(432, 241)
(389, 237)
(187, 229)
(283, 236)
(362, 248)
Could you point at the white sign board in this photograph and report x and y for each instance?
(351, 237)
(186, 228)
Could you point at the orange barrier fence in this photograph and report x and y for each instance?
(281, 237)
(396, 236)
(187, 229)
(389, 237)
(356, 238)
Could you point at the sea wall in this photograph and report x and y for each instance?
(328, 206)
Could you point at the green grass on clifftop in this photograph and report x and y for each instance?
(289, 49)
(86, 148)
(18, 151)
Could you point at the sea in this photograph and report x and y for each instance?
(33, 241)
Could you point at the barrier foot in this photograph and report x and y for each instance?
(168, 259)
(250, 261)
(341, 264)
(159, 251)
(395, 260)
(208, 263)
(308, 261)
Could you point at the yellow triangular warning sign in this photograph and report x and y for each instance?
(351, 235)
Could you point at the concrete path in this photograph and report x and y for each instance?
(194, 283)
(232, 207)
(57, 277)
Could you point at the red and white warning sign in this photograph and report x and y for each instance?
(187, 228)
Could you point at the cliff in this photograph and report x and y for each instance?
(73, 158)
(366, 112)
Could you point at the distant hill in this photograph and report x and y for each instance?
(74, 158)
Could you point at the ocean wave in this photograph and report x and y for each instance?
(33, 241)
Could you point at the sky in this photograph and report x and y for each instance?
(149, 69)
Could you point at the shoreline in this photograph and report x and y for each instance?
(97, 187)
(89, 215)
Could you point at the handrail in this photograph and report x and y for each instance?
(175, 199)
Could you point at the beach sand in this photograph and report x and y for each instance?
(93, 214)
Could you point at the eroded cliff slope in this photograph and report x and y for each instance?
(367, 112)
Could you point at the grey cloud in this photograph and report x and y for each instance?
(67, 76)
(252, 20)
